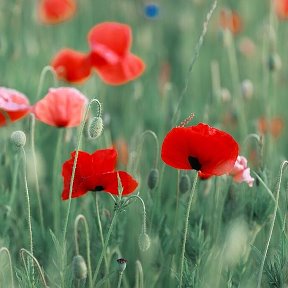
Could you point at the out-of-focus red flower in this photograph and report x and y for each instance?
(202, 148)
(110, 53)
(230, 20)
(281, 8)
(56, 11)
(241, 172)
(72, 66)
(13, 106)
(61, 107)
(123, 152)
(95, 172)
(274, 126)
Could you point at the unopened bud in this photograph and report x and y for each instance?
(274, 62)
(184, 184)
(122, 264)
(153, 178)
(79, 267)
(18, 138)
(95, 127)
(144, 241)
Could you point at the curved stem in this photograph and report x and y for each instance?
(44, 71)
(4, 249)
(77, 220)
(22, 251)
(104, 248)
(186, 229)
(32, 132)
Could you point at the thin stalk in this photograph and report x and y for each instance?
(139, 275)
(4, 249)
(186, 229)
(120, 279)
(32, 132)
(14, 179)
(283, 165)
(104, 248)
(77, 220)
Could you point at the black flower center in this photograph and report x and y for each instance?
(194, 163)
(98, 188)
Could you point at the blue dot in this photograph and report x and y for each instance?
(151, 10)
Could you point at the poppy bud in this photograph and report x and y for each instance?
(247, 89)
(79, 267)
(274, 62)
(184, 184)
(121, 264)
(18, 138)
(144, 241)
(95, 127)
(153, 178)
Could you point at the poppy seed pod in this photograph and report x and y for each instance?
(144, 241)
(95, 127)
(121, 264)
(153, 178)
(79, 267)
(184, 184)
(18, 138)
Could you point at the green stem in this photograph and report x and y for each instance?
(14, 180)
(139, 275)
(186, 229)
(104, 248)
(4, 249)
(120, 279)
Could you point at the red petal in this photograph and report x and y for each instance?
(72, 66)
(215, 150)
(56, 11)
(128, 69)
(61, 107)
(104, 161)
(110, 36)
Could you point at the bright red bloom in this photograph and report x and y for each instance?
(95, 172)
(61, 107)
(230, 20)
(110, 53)
(13, 105)
(281, 8)
(72, 66)
(56, 11)
(202, 148)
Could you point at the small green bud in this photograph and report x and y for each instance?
(184, 184)
(144, 241)
(121, 264)
(79, 267)
(18, 138)
(153, 178)
(95, 127)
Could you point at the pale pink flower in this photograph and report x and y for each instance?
(240, 172)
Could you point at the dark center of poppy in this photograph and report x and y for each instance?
(98, 188)
(194, 163)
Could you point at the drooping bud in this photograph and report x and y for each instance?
(18, 138)
(121, 264)
(184, 184)
(79, 267)
(95, 127)
(144, 241)
(153, 178)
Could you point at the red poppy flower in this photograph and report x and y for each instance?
(56, 11)
(72, 66)
(95, 172)
(230, 20)
(281, 8)
(201, 147)
(274, 126)
(61, 107)
(110, 53)
(13, 105)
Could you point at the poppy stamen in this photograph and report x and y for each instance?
(194, 163)
(98, 188)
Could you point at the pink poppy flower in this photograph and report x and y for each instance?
(240, 172)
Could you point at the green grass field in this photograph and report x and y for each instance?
(236, 235)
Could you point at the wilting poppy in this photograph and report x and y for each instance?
(110, 53)
(56, 11)
(281, 8)
(241, 172)
(274, 126)
(61, 107)
(95, 172)
(202, 148)
(230, 20)
(72, 66)
(13, 105)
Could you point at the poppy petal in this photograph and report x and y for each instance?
(128, 69)
(104, 161)
(72, 66)
(110, 36)
(56, 11)
(61, 107)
